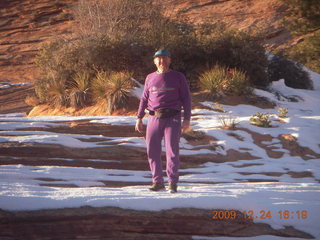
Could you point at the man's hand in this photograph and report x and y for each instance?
(185, 125)
(139, 125)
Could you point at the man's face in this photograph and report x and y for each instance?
(162, 62)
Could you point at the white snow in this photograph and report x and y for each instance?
(211, 186)
(5, 85)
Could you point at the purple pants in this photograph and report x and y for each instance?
(170, 129)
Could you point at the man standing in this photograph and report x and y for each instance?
(165, 92)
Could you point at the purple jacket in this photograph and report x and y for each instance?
(167, 90)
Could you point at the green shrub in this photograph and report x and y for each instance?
(260, 120)
(282, 112)
(47, 57)
(114, 88)
(62, 59)
(121, 55)
(235, 49)
(307, 51)
(221, 80)
(129, 44)
(292, 73)
(302, 17)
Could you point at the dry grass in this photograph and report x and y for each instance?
(228, 122)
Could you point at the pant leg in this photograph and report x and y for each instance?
(172, 135)
(154, 136)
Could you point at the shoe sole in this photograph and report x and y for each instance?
(159, 190)
(171, 191)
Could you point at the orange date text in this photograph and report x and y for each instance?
(263, 214)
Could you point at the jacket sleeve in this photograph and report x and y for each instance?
(143, 100)
(185, 96)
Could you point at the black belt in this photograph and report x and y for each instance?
(150, 112)
(162, 113)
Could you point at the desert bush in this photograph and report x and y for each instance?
(114, 88)
(112, 37)
(133, 41)
(220, 80)
(261, 120)
(292, 72)
(121, 35)
(47, 59)
(114, 19)
(60, 61)
(121, 55)
(218, 44)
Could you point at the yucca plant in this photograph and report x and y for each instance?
(56, 91)
(238, 83)
(213, 80)
(114, 88)
(79, 89)
(99, 86)
(221, 80)
(282, 112)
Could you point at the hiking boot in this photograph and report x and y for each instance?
(158, 186)
(172, 187)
